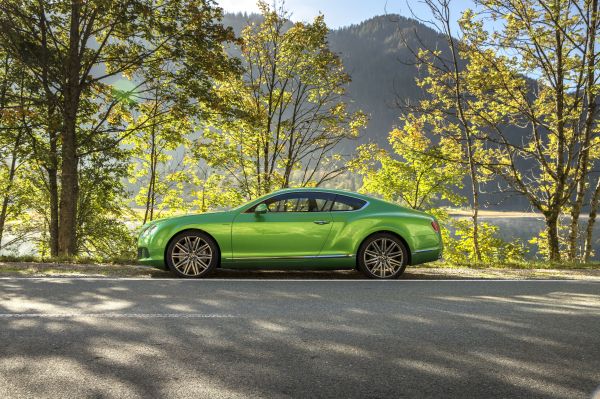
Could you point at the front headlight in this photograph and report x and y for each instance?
(147, 231)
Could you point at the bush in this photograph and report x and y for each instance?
(459, 244)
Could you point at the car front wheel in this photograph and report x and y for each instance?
(382, 256)
(192, 254)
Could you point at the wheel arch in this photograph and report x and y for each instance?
(192, 229)
(395, 234)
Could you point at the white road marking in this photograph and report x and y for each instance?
(118, 315)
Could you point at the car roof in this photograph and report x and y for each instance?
(324, 190)
(348, 193)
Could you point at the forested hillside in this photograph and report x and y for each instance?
(381, 66)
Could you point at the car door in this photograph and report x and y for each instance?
(297, 224)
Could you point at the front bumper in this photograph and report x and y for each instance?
(145, 258)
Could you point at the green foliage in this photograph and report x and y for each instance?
(288, 111)
(459, 246)
(150, 97)
(211, 191)
(416, 175)
(160, 130)
(539, 71)
(103, 212)
(541, 241)
(95, 71)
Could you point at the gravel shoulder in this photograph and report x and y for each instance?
(34, 269)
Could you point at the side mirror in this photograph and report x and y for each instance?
(261, 209)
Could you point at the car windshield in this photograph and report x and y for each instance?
(244, 203)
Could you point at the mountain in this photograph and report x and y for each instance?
(377, 55)
(377, 58)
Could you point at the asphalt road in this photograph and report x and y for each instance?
(297, 338)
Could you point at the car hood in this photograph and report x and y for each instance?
(193, 218)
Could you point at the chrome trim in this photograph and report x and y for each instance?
(294, 257)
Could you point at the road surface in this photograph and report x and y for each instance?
(110, 338)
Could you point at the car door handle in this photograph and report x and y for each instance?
(321, 222)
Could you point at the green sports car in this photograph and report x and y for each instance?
(295, 228)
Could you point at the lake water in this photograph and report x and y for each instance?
(525, 227)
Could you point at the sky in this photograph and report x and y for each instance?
(346, 12)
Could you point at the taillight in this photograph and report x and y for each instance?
(435, 226)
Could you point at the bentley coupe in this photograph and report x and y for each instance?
(295, 229)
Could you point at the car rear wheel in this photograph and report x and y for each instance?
(192, 254)
(382, 256)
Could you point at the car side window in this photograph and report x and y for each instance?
(299, 202)
(344, 203)
(323, 204)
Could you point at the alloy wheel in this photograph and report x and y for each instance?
(383, 257)
(191, 255)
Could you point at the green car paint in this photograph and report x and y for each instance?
(328, 239)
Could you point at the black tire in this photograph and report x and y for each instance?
(201, 259)
(382, 256)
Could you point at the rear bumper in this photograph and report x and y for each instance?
(426, 255)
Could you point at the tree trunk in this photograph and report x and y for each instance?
(69, 190)
(51, 166)
(553, 240)
(557, 202)
(589, 233)
(52, 170)
(149, 214)
(575, 213)
(475, 194)
(67, 229)
(53, 185)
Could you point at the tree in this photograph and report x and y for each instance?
(416, 175)
(290, 109)
(8, 145)
(446, 90)
(156, 170)
(594, 200)
(103, 212)
(588, 66)
(16, 116)
(424, 175)
(210, 191)
(548, 42)
(74, 48)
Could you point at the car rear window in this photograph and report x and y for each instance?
(344, 203)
